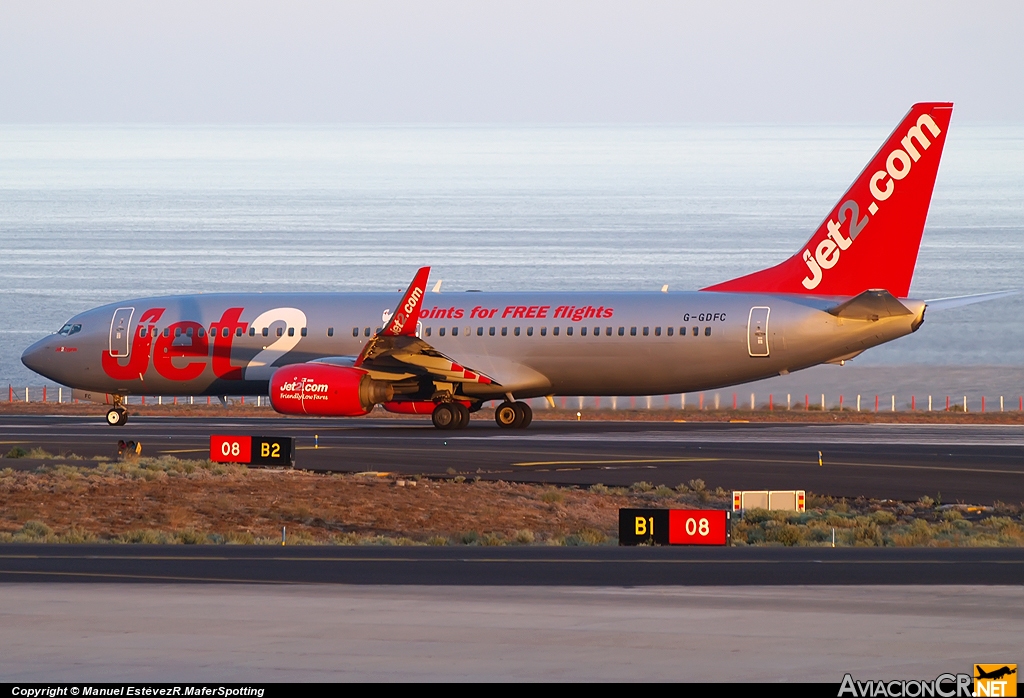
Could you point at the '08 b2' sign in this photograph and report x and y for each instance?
(673, 527)
(253, 450)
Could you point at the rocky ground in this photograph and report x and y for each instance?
(168, 500)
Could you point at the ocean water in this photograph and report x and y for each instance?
(90, 215)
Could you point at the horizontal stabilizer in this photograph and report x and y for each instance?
(957, 301)
(870, 305)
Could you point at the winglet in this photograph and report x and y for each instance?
(403, 322)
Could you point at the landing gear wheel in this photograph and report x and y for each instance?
(463, 412)
(527, 413)
(508, 415)
(445, 416)
(117, 416)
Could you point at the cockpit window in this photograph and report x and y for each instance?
(70, 329)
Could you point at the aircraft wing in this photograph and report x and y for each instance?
(399, 353)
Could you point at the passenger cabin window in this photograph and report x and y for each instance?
(647, 331)
(266, 331)
(707, 331)
(177, 331)
(682, 331)
(167, 332)
(632, 332)
(568, 331)
(303, 332)
(238, 331)
(252, 331)
(455, 332)
(696, 331)
(202, 332)
(657, 331)
(428, 331)
(479, 331)
(366, 332)
(583, 332)
(516, 332)
(555, 331)
(490, 331)
(441, 332)
(280, 331)
(529, 331)
(622, 331)
(355, 331)
(670, 331)
(291, 331)
(607, 331)
(543, 331)
(188, 332)
(504, 331)
(597, 331)
(330, 331)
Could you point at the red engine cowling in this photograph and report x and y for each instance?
(326, 391)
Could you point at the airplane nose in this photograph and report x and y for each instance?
(34, 356)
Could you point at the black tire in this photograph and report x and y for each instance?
(508, 416)
(445, 416)
(116, 417)
(463, 415)
(527, 414)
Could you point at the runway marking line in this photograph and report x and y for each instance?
(528, 464)
(188, 450)
(878, 465)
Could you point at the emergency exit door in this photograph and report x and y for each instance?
(120, 326)
(757, 331)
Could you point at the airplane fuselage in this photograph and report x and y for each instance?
(529, 344)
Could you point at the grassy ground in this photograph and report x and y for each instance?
(168, 500)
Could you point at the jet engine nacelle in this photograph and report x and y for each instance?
(324, 390)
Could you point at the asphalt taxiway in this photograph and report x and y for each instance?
(514, 565)
(969, 463)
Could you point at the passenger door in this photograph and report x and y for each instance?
(757, 331)
(120, 326)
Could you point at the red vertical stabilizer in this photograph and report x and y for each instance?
(871, 237)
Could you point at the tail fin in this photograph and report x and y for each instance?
(871, 238)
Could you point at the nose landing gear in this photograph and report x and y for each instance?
(117, 416)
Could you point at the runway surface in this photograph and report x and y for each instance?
(970, 463)
(520, 566)
(132, 633)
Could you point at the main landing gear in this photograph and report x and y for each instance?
(450, 415)
(513, 415)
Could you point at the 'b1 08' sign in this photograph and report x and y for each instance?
(673, 527)
(253, 450)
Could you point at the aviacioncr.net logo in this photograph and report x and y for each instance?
(943, 686)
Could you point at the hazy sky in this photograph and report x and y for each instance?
(511, 61)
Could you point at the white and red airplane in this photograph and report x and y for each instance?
(340, 354)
